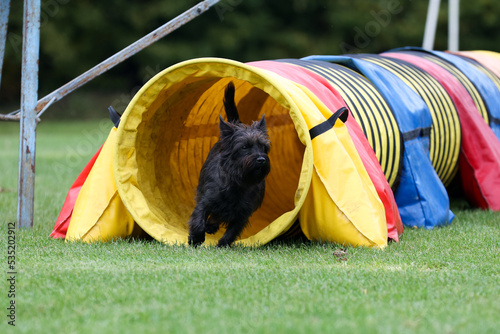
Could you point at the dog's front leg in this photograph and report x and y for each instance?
(197, 226)
(232, 232)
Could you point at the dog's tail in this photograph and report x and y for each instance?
(229, 105)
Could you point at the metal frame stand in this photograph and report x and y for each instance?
(431, 24)
(31, 109)
(4, 18)
(29, 97)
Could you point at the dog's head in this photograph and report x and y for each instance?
(248, 147)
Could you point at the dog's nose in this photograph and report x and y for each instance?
(261, 160)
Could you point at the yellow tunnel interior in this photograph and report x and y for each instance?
(168, 131)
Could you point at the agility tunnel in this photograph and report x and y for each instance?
(360, 145)
(479, 169)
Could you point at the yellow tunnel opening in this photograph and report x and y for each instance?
(168, 130)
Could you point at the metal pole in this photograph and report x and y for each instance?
(4, 18)
(29, 96)
(431, 24)
(122, 55)
(453, 24)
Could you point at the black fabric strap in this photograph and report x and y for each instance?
(114, 115)
(342, 113)
(410, 135)
(494, 120)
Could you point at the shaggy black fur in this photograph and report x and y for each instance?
(231, 185)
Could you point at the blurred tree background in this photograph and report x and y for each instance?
(76, 35)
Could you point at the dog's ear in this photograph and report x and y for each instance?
(230, 105)
(262, 124)
(226, 129)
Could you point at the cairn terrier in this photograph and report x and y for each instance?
(231, 185)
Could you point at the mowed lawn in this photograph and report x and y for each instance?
(445, 280)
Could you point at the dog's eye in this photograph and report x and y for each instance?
(244, 147)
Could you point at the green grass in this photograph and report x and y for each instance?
(440, 281)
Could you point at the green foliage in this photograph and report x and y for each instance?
(76, 35)
(433, 281)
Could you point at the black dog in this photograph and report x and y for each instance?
(231, 185)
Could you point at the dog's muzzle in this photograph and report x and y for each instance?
(261, 160)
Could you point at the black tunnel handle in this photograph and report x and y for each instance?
(319, 129)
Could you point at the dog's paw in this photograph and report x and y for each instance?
(224, 243)
(196, 240)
